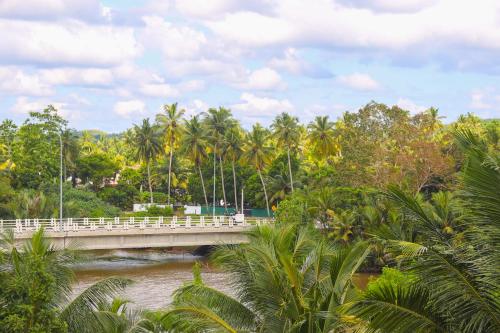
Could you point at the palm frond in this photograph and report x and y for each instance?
(392, 308)
(79, 313)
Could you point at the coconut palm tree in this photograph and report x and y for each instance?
(171, 123)
(258, 153)
(280, 186)
(286, 131)
(322, 204)
(36, 289)
(287, 279)
(217, 122)
(456, 283)
(87, 143)
(322, 137)
(71, 150)
(233, 147)
(194, 143)
(148, 143)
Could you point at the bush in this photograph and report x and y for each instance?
(84, 203)
(122, 196)
(158, 197)
(152, 211)
(391, 276)
(292, 210)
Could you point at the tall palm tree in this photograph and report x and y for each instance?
(194, 143)
(71, 150)
(217, 122)
(87, 142)
(286, 131)
(258, 153)
(148, 142)
(233, 146)
(171, 123)
(322, 137)
(287, 279)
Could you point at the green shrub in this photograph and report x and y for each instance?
(85, 203)
(391, 276)
(158, 197)
(122, 196)
(292, 210)
(151, 212)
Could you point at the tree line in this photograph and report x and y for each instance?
(210, 158)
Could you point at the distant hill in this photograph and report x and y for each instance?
(99, 133)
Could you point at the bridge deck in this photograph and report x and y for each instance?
(115, 233)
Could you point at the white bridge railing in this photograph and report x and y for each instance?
(127, 223)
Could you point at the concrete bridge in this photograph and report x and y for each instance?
(144, 232)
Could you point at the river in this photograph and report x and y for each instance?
(157, 274)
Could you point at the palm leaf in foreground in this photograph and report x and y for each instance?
(392, 308)
(79, 313)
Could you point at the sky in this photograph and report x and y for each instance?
(108, 64)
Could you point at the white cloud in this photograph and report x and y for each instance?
(329, 24)
(253, 106)
(24, 106)
(202, 8)
(195, 107)
(261, 79)
(78, 76)
(159, 90)
(52, 9)
(216, 8)
(478, 101)
(290, 62)
(485, 102)
(69, 110)
(66, 43)
(129, 108)
(406, 6)
(359, 81)
(15, 81)
(409, 105)
(165, 90)
(333, 111)
(252, 29)
(175, 42)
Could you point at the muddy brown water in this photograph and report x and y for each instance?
(157, 274)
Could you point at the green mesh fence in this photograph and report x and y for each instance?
(256, 212)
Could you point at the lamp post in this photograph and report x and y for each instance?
(60, 180)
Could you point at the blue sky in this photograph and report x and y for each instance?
(108, 64)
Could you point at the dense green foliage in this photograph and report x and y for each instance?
(378, 190)
(210, 158)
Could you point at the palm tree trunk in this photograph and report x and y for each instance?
(234, 184)
(265, 192)
(203, 186)
(290, 169)
(149, 184)
(170, 171)
(222, 181)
